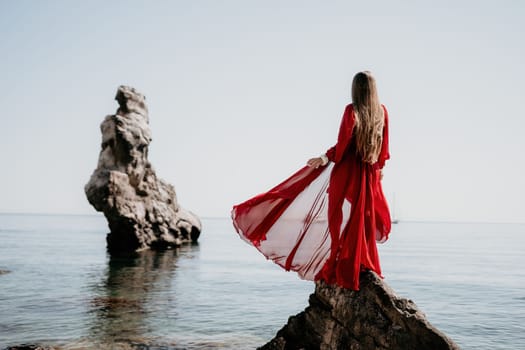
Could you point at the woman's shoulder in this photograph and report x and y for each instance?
(385, 110)
(349, 109)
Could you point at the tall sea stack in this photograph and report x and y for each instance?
(141, 209)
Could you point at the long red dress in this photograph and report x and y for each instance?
(323, 223)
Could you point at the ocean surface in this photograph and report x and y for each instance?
(58, 286)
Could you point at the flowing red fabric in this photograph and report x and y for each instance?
(323, 223)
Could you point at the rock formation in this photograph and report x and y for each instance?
(29, 347)
(373, 318)
(141, 209)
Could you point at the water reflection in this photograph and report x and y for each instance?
(132, 291)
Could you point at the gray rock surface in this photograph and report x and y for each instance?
(30, 347)
(141, 209)
(373, 318)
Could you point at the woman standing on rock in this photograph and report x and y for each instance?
(323, 222)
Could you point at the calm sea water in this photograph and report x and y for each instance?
(63, 289)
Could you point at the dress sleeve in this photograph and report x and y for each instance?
(335, 153)
(330, 153)
(384, 155)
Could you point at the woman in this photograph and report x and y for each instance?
(323, 221)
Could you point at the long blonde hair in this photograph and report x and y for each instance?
(369, 117)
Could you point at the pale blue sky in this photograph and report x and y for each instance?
(242, 93)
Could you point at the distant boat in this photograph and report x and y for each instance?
(395, 220)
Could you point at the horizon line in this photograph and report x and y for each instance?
(212, 217)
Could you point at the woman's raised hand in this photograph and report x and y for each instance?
(315, 162)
